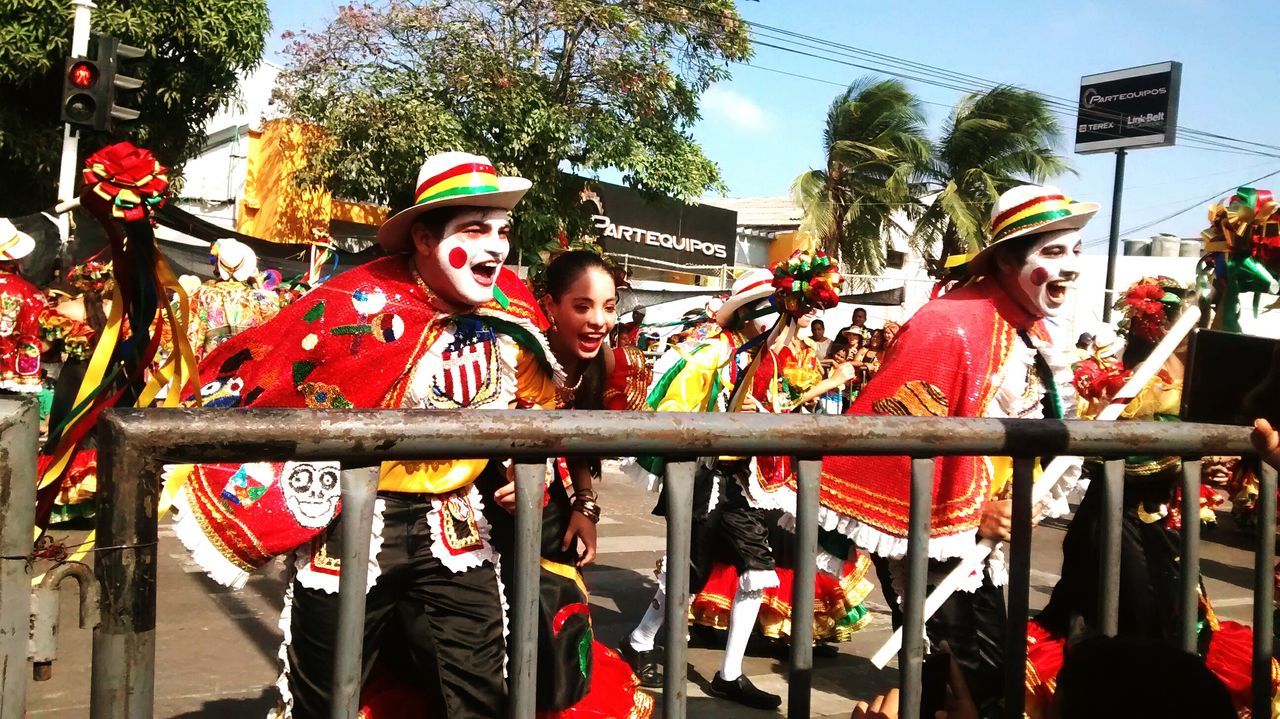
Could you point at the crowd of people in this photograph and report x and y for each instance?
(441, 323)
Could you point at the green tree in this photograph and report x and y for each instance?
(874, 142)
(194, 52)
(538, 86)
(991, 142)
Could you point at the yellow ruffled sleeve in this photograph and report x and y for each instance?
(437, 476)
(534, 387)
(690, 390)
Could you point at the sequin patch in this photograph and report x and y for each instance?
(242, 490)
(323, 396)
(368, 302)
(310, 341)
(315, 313)
(387, 327)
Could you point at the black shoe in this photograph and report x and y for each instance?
(742, 691)
(646, 665)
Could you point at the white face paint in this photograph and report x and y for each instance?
(758, 325)
(311, 492)
(462, 265)
(1048, 274)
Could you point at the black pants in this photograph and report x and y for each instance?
(450, 625)
(972, 623)
(733, 532)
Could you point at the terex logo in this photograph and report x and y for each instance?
(1092, 97)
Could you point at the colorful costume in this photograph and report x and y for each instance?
(372, 337)
(221, 309)
(1150, 571)
(21, 305)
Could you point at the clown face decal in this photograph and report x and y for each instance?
(1049, 272)
(462, 265)
(311, 492)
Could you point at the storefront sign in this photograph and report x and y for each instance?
(627, 223)
(1137, 107)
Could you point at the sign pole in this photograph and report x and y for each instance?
(1113, 246)
(70, 139)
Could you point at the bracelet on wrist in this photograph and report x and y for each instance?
(588, 509)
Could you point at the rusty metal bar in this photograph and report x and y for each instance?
(678, 485)
(911, 657)
(1112, 516)
(800, 675)
(524, 605)
(355, 436)
(1015, 649)
(358, 489)
(124, 644)
(18, 437)
(1189, 581)
(1264, 566)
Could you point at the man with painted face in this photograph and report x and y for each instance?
(699, 376)
(980, 350)
(438, 324)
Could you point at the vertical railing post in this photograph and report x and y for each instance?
(1189, 581)
(1015, 649)
(18, 437)
(530, 485)
(1112, 516)
(359, 486)
(1264, 566)
(911, 658)
(124, 643)
(800, 676)
(678, 486)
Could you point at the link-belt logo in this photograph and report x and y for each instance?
(1092, 97)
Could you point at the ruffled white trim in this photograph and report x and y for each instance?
(829, 564)
(505, 607)
(285, 709)
(757, 580)
(887, 545)
(13, 386)
(760, 498)
(997, 570)
(203, 552)
(1057, 503)
(325, 582)
(461, 562)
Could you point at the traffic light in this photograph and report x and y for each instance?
(83, 92)
(114, 52)
(90, 86)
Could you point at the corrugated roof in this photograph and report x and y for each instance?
(760, 211)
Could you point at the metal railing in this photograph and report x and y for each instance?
(134, 443)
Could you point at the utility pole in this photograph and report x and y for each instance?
(70, 139)
(1113, 246)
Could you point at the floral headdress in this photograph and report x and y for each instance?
(92, 276)
(538, 272)
(1150, 306)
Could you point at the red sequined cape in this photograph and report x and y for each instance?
(946, 362)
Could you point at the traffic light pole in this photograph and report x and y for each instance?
(1113, 246)
(70, 139)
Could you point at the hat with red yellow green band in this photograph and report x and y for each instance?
(1030, 210)
(452, 179)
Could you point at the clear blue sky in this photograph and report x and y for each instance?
(763, 128)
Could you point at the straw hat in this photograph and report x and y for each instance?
(14, 245)
(752, 286)
(452, 179)
(235, 260)
(1030, 210)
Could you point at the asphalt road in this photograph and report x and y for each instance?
(216, 653)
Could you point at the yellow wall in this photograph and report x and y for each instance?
(274, 208)
(785, 243)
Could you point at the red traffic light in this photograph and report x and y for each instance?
(83, 75)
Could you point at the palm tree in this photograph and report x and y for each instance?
(874, 142)
(991, 142)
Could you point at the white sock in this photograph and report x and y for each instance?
(742, 619)
(646, 633)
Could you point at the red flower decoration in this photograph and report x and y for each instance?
(128, 177)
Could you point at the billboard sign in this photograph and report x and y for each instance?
(626, 222)
(1137, 107)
